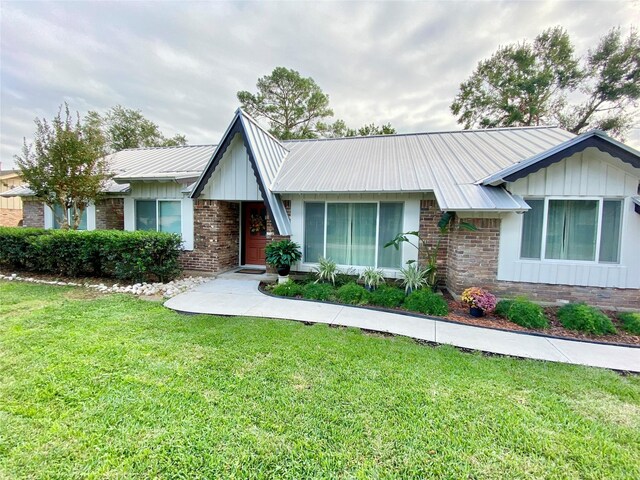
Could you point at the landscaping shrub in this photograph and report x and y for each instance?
(525, 313)
(287, 289)
(387, 296)
(344, 278)
(318, 291)
(137, 256)
(582, 317)
(502, 308)
(630, 322)
(425, 301)
(353, 293)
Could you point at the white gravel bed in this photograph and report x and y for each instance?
(167, 290)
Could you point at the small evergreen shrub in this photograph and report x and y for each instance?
(502, 308)
(318, 291)
(137, 256)
(427, 302)
(584, 318)
(630, 322)
(387, 296)
(287, 289)
(353, 293)
(526, 313)
(344, 278)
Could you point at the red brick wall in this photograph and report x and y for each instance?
(271, 232)
(216, 226)
(110, 214)
(429, 216)
(473, 261)
(33, 213)
(10, 217)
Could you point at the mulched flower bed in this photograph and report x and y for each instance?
(459, 312)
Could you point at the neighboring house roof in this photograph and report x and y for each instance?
(593, 138)
(266, 156)
(160, 163)
(5, 174)
(447, 163)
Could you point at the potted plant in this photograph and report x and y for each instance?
(480, 301)
(372, 278)
(281, 255)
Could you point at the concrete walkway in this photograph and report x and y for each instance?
(233, 294)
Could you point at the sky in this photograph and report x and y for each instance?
(181, 63)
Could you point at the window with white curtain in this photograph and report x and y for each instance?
(159, 215)
(572, 229)
(353, 234)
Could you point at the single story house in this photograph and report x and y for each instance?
(558, 215)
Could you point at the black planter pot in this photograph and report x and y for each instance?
(476, 312)
(283, 270)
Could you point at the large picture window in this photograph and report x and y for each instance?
(573, 230)
(160, 215)
(58, 211)
(353, 234)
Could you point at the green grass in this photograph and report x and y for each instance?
(116, 387)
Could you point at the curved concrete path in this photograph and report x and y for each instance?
(234, 295)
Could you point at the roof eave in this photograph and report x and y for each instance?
(528, 166)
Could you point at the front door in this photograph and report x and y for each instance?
(255, 232)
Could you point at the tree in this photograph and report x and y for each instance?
(65, 165)
(126, 128)
(531, 84)
(292, 104)
(296, 107)
(340, 129)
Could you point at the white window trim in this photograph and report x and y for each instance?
(157, 200)
(49, 217)
(324, 240)
(543, 247)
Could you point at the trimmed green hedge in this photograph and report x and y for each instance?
(630, 322)
(425, 301)
(582, 317)
(136, 256)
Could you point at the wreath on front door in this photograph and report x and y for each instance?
(257, 224)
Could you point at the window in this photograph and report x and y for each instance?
(353, 233)
(160, 215)
(58, 214)
(559, 229)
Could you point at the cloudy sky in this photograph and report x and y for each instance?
(182, 63)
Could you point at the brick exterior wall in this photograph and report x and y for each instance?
(473, 261)
(10, 217)
(216, 226)
(33, 213)
(429, 216)
(110, 214)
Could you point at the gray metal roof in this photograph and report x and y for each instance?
(525, 167)
(110, 187)
(447, 163)
(160, 163)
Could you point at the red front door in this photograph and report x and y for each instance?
(255, 233)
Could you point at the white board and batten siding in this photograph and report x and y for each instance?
(588, 174)
(411, 221)
(233, 178)
(161, 191)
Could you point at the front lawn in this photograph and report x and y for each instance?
(114, 386)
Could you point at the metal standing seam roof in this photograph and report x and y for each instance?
(447, 163)
(160, 163)
(111, 187)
